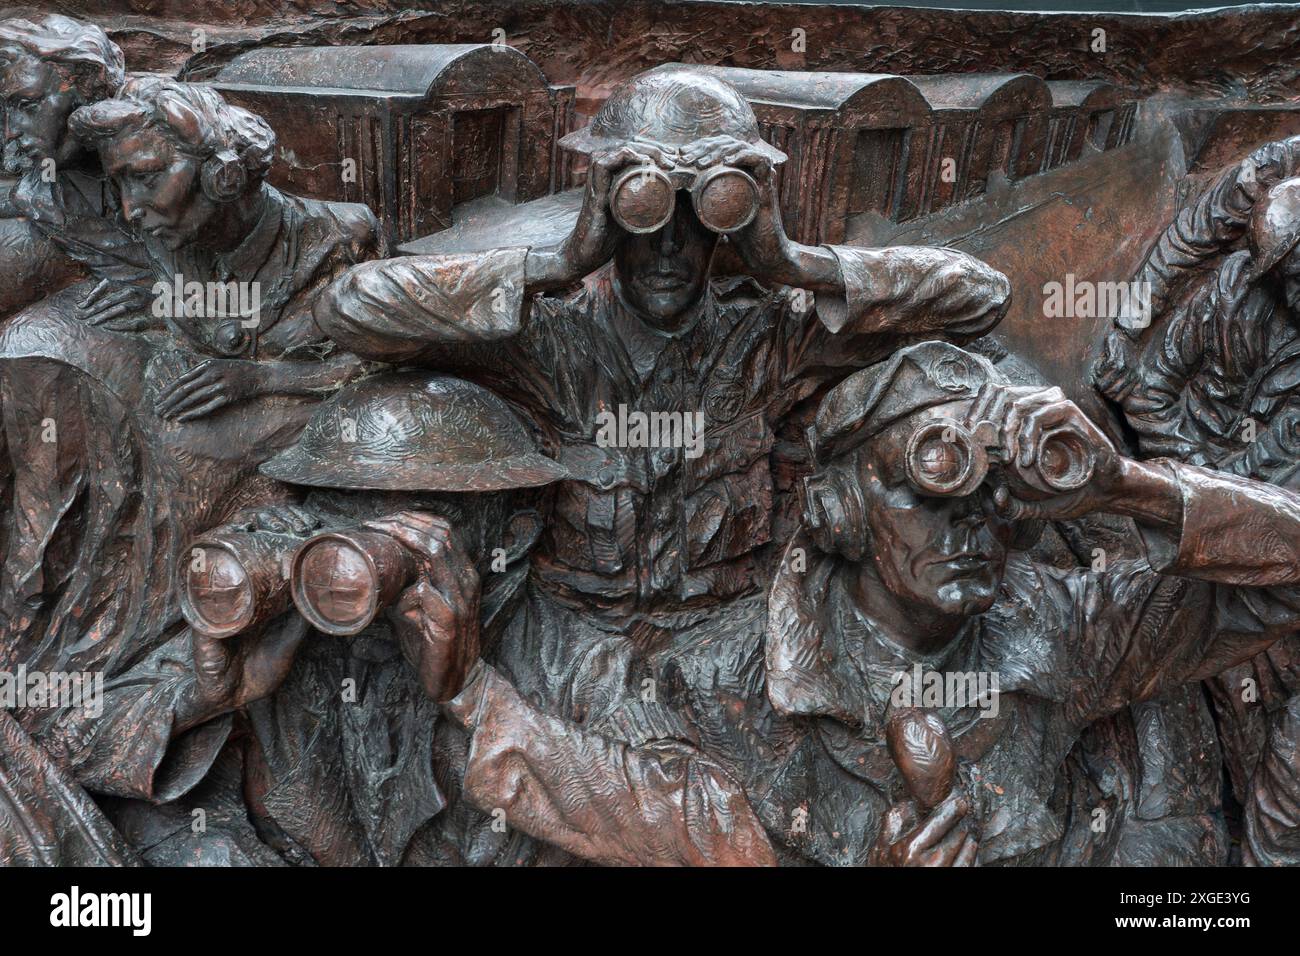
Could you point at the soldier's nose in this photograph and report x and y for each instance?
(668, 243)
(131, 210)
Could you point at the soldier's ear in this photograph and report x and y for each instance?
(521, 534)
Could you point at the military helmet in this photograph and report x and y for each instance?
(1274, 228)
(672, 105)
(415, 431)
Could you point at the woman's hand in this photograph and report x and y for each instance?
(211, 385)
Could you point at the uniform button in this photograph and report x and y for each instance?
(606, 477)
(670, 376)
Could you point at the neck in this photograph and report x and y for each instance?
(233, 221)
(916, 627)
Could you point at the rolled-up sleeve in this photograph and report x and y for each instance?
(1234, 531)
(660, 804)
(911, 290)
(127, 745)
(397, 309)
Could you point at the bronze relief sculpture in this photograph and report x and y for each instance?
(608, 522)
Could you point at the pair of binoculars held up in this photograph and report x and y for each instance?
(642, 198)
(339, 580)
(945, 458)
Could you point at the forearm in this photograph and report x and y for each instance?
(1231, 531)
(310, 378)
(1148, 493)
(597, 797)
(807, 267)
(398, 309)
(908, 290)
(548, 268)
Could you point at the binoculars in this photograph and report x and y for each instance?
(946, 458)
(339, 580)
(642, 198)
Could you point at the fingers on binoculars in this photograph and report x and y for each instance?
(1038, 421)
(705, 152)
(287, 519)
(629, 155)
(435, 541)
(212, 656)
(1018, 443)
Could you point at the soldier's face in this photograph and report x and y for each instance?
(159, 186)
(36, 100)
(947, 555)
(662, 274)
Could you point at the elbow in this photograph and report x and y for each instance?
(980, 298)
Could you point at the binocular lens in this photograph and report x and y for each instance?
(642, 198)
(341, 580)
(220, 594)
(234, 580)
(337, 584)
(943, 460)
(1064, 461)
(725, 199)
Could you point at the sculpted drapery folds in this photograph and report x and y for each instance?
(648, 551)
(1216, 384)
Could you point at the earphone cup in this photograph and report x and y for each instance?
(851, 530)
(834, 516)
(223, 177)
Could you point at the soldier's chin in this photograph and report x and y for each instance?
(666, 307)
(966, 596)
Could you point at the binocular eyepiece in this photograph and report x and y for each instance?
(236, 579)
(339, 580)
(943, 458)
(642, 198)
(343, 579)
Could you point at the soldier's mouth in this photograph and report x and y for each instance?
(662, 281)
(965, 563)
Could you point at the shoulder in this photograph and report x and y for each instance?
(347, 223)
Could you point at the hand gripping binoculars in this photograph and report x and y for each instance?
(339, 580)
(945, 458)
(642, 198)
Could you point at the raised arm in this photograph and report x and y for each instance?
(1221, 581)
(899, 290)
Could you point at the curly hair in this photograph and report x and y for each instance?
(193, 117)
(83, 51)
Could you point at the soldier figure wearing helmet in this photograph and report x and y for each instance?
(329, 623)
(648, 584)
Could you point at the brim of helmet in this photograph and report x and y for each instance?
(584, 141)
(528, 470)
